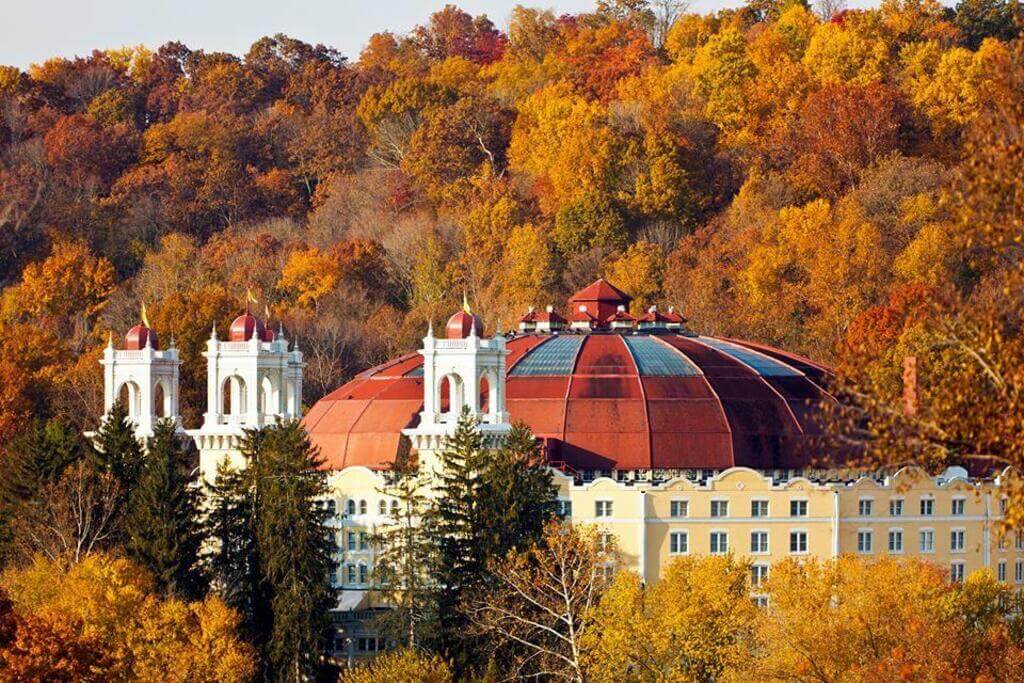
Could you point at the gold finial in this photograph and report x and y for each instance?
(465, 303)
(249, 299)
(145, 318)
(266, 313)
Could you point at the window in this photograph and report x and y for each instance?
(362, 573)
(896, 507)
(758, 574)
(864, 507)
(362, 507)
(1018, 571)
(1019, 541)
(956, 572)
(1001, 570)
(798, 542)
(798, 508)
(895, 540)
(719, 542)
(382, 507)
(719, 508)
(957, 507)
(759, 541)
(369, 644)
(679, 508)
(606, 572)
(956, 540)
(1002, 506)
(565, 508)
(927, 541)
(864, 541)
(364, 540)
(759, 601)
(679, 543)
(394, 508)
(332, 507)
(759, 508)
(350, 572)
(927, 506)
(351, 540)
(1002, 541)
(603, 508)
(350, 507)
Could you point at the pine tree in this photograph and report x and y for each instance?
(404, 559)
(162, 530)
(517, 497)
(38, 456)
(231, 561)
(452, 517)
(294, 546)
(116, 449)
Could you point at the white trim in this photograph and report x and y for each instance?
(767, 551)
(807, 541)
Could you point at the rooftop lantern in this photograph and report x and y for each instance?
(621, 319)
(550, 321)
(528, 323)
(653, 321)
(581, 319)
(674, 321)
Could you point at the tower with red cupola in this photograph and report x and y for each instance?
(463, 369)
(143, 376)
(253, 378)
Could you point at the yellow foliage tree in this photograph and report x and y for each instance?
(402, 666)
(310, 275)
(694, 624)
(845, 54)
(147, 639)
(639, 271)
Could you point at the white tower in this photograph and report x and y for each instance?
(464, 369)
(144, 377)
(252, 380)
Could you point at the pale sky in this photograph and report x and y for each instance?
(34, 30)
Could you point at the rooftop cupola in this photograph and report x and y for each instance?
(621, 319)
(550, 321)
(528, 323)
(653, 321)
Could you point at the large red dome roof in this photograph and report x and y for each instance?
(608, 401)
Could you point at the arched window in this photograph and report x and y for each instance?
(382, 507)
(130, 396)
(485, 394)
(351, 571)
(158, 400)
(351, 507)
(268, 397)
(362, 507)
(233, 396)
(394, 508)
(450, 396)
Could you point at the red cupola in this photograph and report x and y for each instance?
(462, 324)
(601, 298)
(243, 326)
(139, 336)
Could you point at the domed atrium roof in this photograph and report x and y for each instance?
(242, 329)
(603, 400)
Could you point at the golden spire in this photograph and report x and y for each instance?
(249, 299)
(145, 318)
(465, 303)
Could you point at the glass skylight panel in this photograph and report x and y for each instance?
(415, 372)
(554, 357)
(762, 364)
(655, 359)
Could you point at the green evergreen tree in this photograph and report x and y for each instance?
(162, 529)
(117, 450)
(294, 547)
(404, 560)
(232, 562)
(459, 561)
(489, 502)
(517, 496)
(38, 456)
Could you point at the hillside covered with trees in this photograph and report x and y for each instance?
(844, 183)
